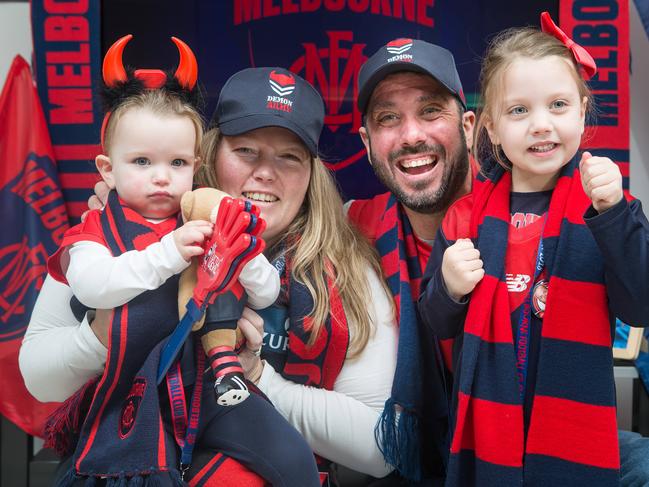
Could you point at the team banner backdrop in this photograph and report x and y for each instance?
(67, 66)
(325, 41)
(603, 29)
(34, 220)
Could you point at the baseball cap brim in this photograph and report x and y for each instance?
(245, 124)
(385, 70)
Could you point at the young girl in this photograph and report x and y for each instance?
(550, 251)
(126, 257)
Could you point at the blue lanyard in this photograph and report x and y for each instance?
(523, 329)
(185, 426)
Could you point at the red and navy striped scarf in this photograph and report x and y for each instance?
(316, 365)
(123, 436)
(572, 435)
(418, 436)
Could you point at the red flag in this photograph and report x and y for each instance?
(33, 218)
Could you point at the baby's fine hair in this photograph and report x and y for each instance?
(160, 102)
(505, 48)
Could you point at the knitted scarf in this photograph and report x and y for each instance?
(315, 365)
(572, 436)
(123, 437)
(418, 436)
(319, 364)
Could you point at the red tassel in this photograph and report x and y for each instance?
(63, 426)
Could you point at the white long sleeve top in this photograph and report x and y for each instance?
(100, 280)
(339, 424)
(59, 354)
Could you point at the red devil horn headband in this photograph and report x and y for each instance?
(114, 71)
(585, 60)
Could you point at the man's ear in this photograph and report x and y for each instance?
(105, 168)
(365, 137)
(468, 124)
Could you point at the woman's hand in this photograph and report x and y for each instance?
(100, 325)
(98, 200)
(252, 327)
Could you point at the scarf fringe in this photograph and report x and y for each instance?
(64, 424)
(398, 440)
(153, 480)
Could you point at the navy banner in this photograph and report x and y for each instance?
(67, 58)
(325, 41)
(603, 29)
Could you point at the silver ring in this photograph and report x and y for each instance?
(256, 353)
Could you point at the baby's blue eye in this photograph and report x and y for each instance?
(178, 162)
(559, 104)
(141, 161)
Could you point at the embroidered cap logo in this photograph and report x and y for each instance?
(283, 85)
(131, 406)
(399, 46)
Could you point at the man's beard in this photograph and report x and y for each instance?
(420, 198)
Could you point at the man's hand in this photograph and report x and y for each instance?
(461, 268)
(190, 236)
(252, 327)
(602, 181)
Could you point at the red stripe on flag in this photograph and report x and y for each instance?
(79, 180)
(557, 429)
(76, 208)
(77, 152)
(493, 430)
(587, 304)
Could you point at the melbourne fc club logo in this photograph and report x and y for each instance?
(337, 81)
(399, 49)
(283, 85)
(131, 406)
(34, 217)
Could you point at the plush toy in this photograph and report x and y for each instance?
(203, 204)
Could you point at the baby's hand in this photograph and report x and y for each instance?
(190, 236)
(461, 268)
(602, 181)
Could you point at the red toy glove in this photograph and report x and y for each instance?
(233, 244)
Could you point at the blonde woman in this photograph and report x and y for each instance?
(331, 377)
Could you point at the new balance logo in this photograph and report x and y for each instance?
(517, 283)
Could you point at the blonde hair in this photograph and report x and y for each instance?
(505, 48)
(161, 103)
(321, 243)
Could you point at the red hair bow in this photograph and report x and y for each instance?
(585, 60)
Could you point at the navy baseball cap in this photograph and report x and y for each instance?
(408, 55)
(270, 97)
